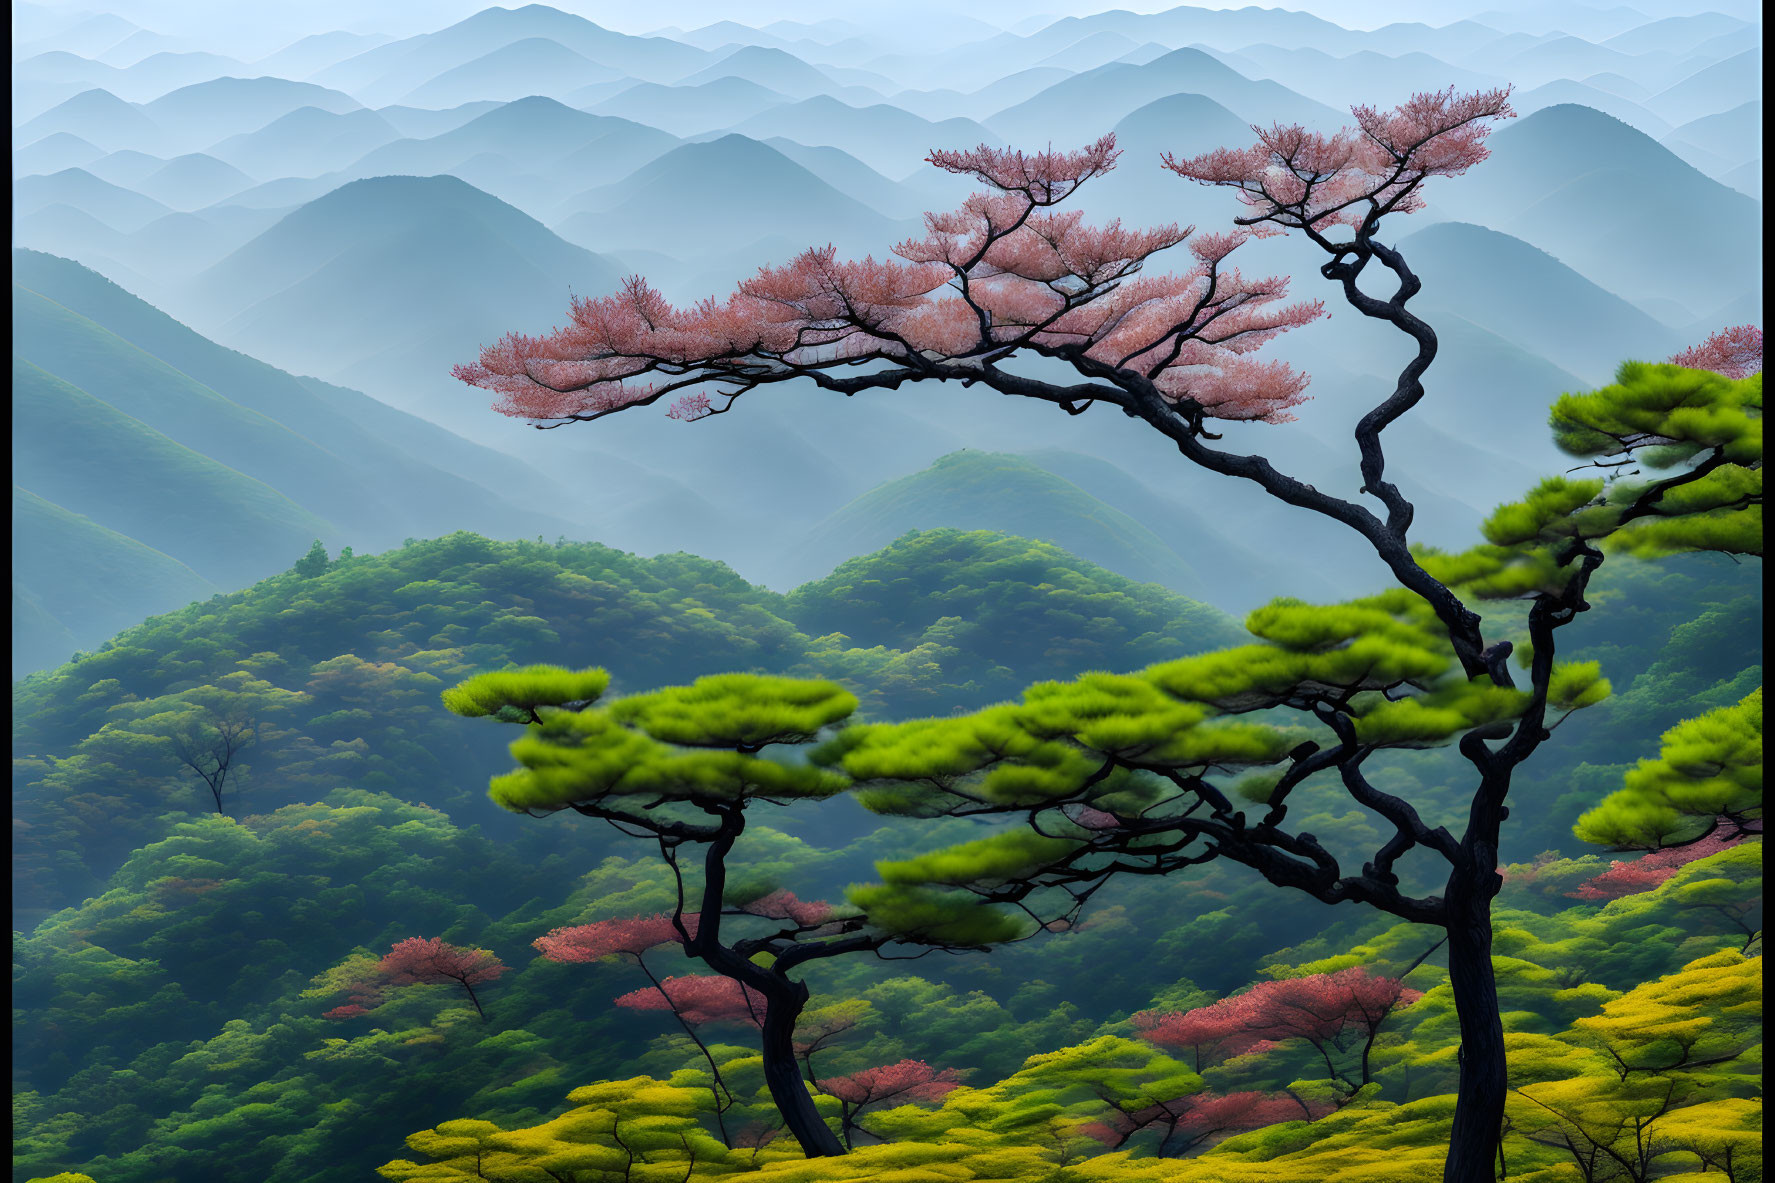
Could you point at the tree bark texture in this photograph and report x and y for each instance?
(1479, 1105)
(782, 1073)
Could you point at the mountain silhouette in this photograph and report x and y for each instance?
(884, 137)
(98, 117)
(1578, 183)
(119, 208)
(1081, 108)
(391, 280)
(307, 142)
(531, 66)
(662, 205)
(687, 109)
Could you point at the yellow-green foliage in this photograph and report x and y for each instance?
(1709, 1011)
(938, 917)
(1558, 507)
(1668, 1074)
(1574, 685)
(738, 710)
(525, 688)
(1673, 1061)
(1054, 743)
(1000, 858)
(1023, 767)
(588, 755)
(1706, 766)
(1430, 719)
(572, 756)
(638, 1131)
(1496, 572)
(1366, 1142)
(1719, 1134)
(1653, 416)
(962, 1154)
(1688, 410)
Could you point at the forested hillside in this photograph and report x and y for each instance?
(156, 1049)
(342, 661)
(199, 468)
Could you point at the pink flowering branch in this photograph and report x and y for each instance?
(1627, 877)
(628, 937)
(631, 938)
(699, 999)
(1322, 1009)
(1736, 352)
(996, 276)
(1007, 275)
(1294, 179)
(1186, 1123)
(906, 1081)
(782, 904)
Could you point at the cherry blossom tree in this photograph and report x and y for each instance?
(700, 999)
(1631, 876)
(1736, 352)
(429, 961)
(1007, 277)
(631, 939)
(1329, 1011)
(909, 1080)
(1187, 1123)
(1201, 1032)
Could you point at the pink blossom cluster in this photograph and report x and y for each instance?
(700, 998)
(1004, 273)
(1736, 352)
(1297, 178)
(428, 960)
(1317, 1008)
(908, 1080)
(1192, 1121)
(782, 904)
(1627, 877)
(627, 936)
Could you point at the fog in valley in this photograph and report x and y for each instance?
(354, 206)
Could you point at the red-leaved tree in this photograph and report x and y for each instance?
(630, 939)
(1332, 1012)
(699, 999)
(429, 961)
(909, 1080)
(1631, 876)
(1186, 1123)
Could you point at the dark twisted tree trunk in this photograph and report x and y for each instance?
(782, 1072)
(784, 998)
(1479, 1106)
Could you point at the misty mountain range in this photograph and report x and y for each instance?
(251, 276)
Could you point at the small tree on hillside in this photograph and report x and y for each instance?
(887, 1084)
(1005, 277)
(209, 739)
(428, 961)
(1187, 1123)
(680, 767)
(1332, 1012)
